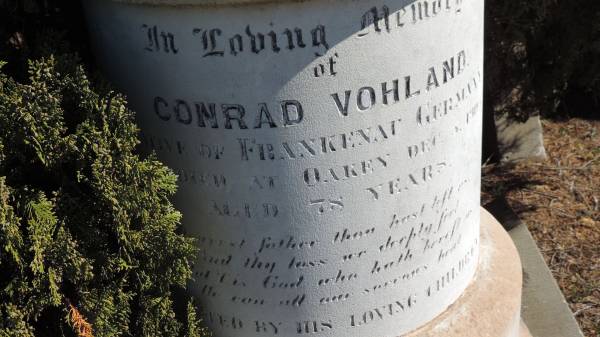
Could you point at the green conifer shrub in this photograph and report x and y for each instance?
(89, 241)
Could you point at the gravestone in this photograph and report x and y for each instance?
(520, 140)
(328, 153)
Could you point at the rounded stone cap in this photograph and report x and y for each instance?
(491, 305)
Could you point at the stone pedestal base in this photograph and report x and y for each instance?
(491, 305)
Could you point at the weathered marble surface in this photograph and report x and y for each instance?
(491, 305)
(328, 153)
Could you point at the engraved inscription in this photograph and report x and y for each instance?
(255, 149)
(159, 40)
(215, 43)
(227, 115)
(390, 92)
(379, 19)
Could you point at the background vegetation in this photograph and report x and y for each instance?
(89, 241)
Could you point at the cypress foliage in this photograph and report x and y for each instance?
(89, 241)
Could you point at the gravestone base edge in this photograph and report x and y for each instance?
(491, 305)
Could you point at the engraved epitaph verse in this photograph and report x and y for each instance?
(327, 154)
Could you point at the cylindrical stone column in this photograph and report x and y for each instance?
(328, 152)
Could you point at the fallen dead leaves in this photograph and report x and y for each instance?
(559, 200)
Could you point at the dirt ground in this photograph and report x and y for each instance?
(559, 200)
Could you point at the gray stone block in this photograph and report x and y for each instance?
(519, 141)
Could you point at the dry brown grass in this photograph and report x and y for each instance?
(79, 323)
(559, 200)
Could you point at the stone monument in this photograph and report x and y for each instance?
(328, 154)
